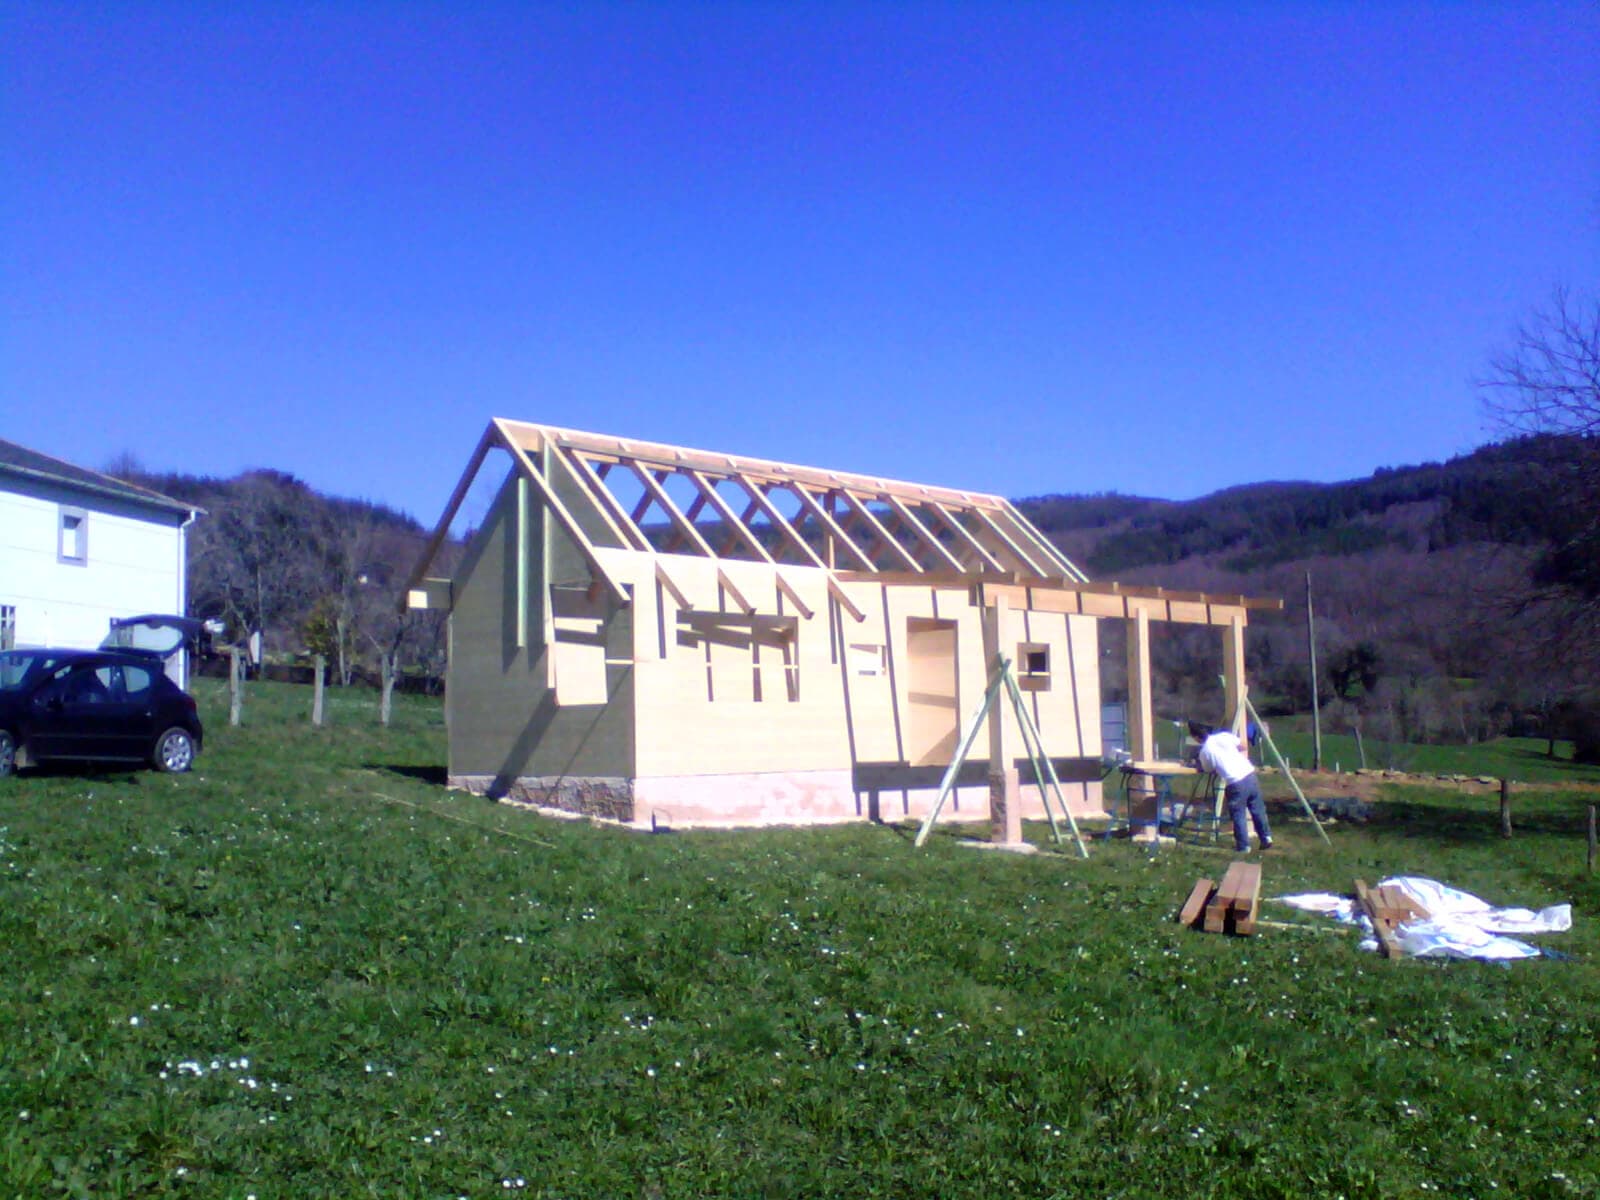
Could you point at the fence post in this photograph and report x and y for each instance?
(1505, 808)
(316, 695)
(388, 689)
(235, 686)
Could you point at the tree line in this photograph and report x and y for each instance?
(280, 566)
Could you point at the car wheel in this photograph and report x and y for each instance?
(174, 751)
(8, 754)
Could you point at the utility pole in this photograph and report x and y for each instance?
(1316, 708)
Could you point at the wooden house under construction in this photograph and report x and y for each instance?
(674, 638)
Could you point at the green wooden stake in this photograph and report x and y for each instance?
(1284, 767)
(1043, 769)
(949, 779)
(1041, 760)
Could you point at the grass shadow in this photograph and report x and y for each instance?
(431, 774)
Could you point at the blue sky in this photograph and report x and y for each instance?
(1158, 249)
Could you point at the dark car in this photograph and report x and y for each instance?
(93, 705)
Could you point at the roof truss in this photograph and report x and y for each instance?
(649, 496)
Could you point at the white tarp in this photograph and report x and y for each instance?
(1459, 924)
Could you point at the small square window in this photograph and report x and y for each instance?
(869, 658)
(1033, 666)
(72, 543)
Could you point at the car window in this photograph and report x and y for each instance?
(83, 685)
(136, 683)
(19, 667)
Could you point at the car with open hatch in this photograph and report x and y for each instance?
(105, 705)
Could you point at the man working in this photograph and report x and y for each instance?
(1225, 755)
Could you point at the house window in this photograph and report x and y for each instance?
(72, 542)
(1033, 666)
(8, 626)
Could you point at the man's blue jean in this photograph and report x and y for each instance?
(1244, 801)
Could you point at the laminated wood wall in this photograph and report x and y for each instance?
(503, 718)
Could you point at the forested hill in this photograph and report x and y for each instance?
(1497, 494)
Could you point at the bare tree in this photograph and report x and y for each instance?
(1548, 382)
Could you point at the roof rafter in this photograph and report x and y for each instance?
(821, 514)
(909, 519)
(887, 538)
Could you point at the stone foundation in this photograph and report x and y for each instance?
(751, 800)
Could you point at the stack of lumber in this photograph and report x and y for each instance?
(1387, 908)
(1229, 907)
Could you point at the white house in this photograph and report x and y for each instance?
(78, 548)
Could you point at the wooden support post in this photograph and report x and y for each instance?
(235, 685)
(316, 694)
(1591, 839)
(386, 701)
(1316, 706)
(1141, 720)
(1233, 693)
(1005, 798)
(1505, 808)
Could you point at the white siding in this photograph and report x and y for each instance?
(134, 565)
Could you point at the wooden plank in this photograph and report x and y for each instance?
(1216, 919)
(1247, 903)
(1387, 946)
(1190, 912)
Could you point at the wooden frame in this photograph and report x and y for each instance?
(846, 560)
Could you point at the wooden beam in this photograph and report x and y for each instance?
(451, 506)
(679, 521)
(849, 605)
(1195, 904)
(676, 458)
(840, 536)
(673, 589)
(709, 491)
(1141, 723)
(1059, 560)
(883, 534)
(732, 589)
(904, 512)
(627, 530)
(1018, 551)
(965, 535)
(779, 522)
(568, 523)
(788, 589)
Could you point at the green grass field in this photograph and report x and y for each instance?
(307, 970)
